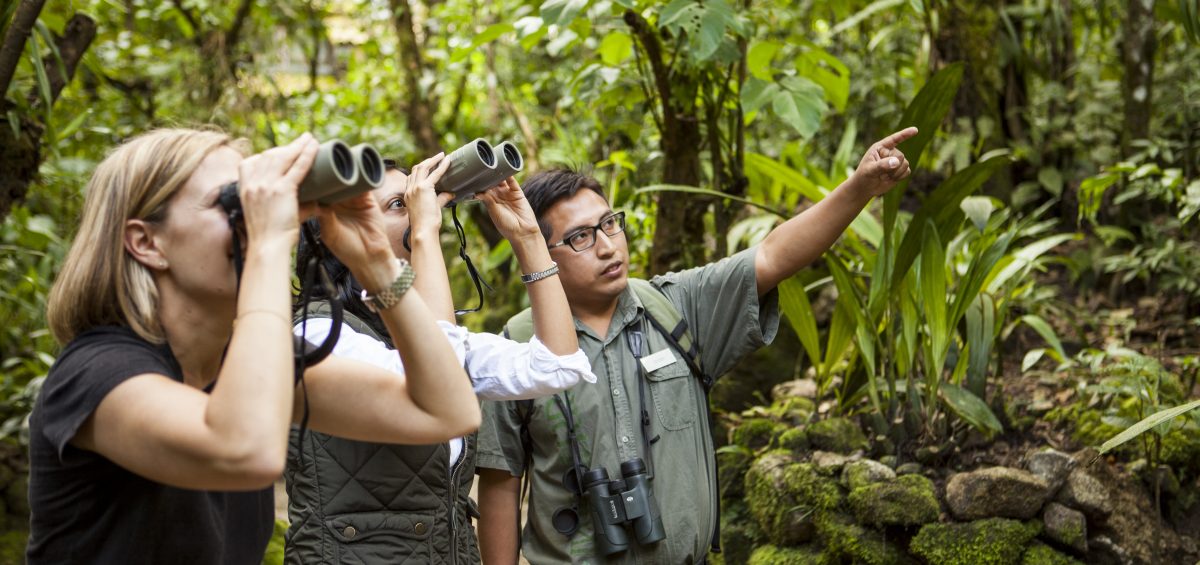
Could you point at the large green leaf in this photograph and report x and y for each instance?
(977, 272)
(941, 207)
(785, 175)
(758, 59)
(981, 334)
(1148, 423)
(1023, 258)
(561, 12)
(817, 65)
(757, 93)
(1043, 329)
(800, 105)
(793, 300)
(970, 408)
(926, 111)
(932, 283)
(615, 48)
(877, 6)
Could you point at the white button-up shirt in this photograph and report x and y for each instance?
(500, 368)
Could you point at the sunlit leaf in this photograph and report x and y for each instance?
(616, 47)
(561, 12)
(758, 59)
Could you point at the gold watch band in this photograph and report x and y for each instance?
(391, 294)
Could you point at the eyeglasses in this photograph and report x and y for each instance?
(583, 239)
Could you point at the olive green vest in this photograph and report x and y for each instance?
(352, 502)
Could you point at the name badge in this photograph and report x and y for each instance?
(658, 360)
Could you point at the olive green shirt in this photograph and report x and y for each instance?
(721, 305)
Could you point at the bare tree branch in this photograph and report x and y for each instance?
(14, 41)
(197, 31)
(235, 30)
(76, 38)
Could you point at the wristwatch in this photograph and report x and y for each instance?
(390, 295)
(533, 277)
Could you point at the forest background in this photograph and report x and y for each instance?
(1048, 236)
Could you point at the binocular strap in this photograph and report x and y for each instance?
(471, 270)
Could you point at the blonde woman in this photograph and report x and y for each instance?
(164, 422)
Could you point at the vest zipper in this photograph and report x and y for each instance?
(455, 472)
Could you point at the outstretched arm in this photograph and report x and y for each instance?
(801, 240)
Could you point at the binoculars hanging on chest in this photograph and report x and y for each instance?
(618, 503)
(339, 172)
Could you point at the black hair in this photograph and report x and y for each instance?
(547, 188)
(346, 287)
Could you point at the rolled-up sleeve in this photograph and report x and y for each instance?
(503, 369)
(721, 304)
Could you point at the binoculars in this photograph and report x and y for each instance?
(478, 166)
(620, 502)
(338, 172)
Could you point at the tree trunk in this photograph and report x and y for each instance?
(679, 223)
(1137, 55)
(14, 42)
(419, 105)
(21, 155)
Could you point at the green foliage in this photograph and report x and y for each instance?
(274, 554)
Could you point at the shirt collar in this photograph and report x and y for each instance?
(629, 309)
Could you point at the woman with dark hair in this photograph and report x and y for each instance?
(354, 501)
(164, 422)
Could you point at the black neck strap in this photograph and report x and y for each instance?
(462, 253)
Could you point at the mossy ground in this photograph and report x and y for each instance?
(994, 541)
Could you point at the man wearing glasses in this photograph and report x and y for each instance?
(647, 403)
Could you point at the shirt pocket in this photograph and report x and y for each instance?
(674, 395)
(381, 537)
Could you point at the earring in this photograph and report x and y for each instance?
(162, 264)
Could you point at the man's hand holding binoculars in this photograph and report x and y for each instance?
(510, 212)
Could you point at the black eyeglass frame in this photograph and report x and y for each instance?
(618, 216)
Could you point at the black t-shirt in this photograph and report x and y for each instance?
(87, 509)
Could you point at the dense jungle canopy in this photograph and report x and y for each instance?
(1039, 271)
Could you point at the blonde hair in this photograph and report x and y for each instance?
(100, 283)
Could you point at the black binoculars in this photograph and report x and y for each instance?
(338, 172)
(620, 502)
(477, 166)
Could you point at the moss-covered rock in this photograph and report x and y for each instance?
(1181, 449)
(772, 555)
(910, 500)
(794, 439)
(848, 542)
(784, 496)
(839, 435)
(732, 462)
(12, 547)
(1066, 526)
(862, 473)
(755, 433)
(994, 541)
(740, 534)
(1042, 554)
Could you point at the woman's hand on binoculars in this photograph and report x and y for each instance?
(424, 204)
(353, 229)
(267, 185)
(883, 165)
(509, 209)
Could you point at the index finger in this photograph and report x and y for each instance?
(899, 137)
